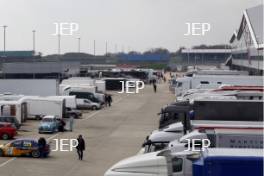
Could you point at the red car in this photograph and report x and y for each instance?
(7, 131)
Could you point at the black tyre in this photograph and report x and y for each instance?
(38, 117)
(5, 136)
(1, 153)
(94, 107)
(35, 154)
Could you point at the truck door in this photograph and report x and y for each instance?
(177, 164)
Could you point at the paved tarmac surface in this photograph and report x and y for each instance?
(111, 134)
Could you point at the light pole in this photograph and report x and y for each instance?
(106, 48)
(4, 37)
(59, 47)
(116, 48)
(94, 47)
(34, 40)
(79, 44)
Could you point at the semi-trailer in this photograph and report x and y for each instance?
(204, 81)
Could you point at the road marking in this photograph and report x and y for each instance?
(93, 114)
(51, 137)
(8, 161)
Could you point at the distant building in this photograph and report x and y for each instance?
(40, 69)
(247, 42)
(204, 56)
(18, 56)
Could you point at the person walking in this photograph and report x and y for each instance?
(106, 100)
(42, 144)
(80, 147)
(155, 87)
(109, 100)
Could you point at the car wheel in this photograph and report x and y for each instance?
(35, 154)
(94, 107)
(5, 136)
(1, 153)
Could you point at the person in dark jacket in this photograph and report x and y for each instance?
(80, 147)
(155, 87)
(42, 144)
(109, 100)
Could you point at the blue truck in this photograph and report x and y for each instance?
(229, 162)
(211, 162)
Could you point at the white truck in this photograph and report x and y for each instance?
(211, 162)
(214, 81)
(35, 87)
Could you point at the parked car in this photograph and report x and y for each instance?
(23, 147)
(73, 112)
(7, 131)
(88, 104)
(48, 124)
(10, 119)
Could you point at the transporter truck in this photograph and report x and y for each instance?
(211, 162)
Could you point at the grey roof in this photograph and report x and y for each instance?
(255, 15)
(207, 51)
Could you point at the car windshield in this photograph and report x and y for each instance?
(47, 120)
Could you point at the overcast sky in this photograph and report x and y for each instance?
(132, 24)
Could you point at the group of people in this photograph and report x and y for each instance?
(80, 146)
(108, 100)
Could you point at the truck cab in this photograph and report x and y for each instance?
(183, 84)
(176, 112)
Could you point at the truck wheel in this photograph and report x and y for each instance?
(94, 108)
(35, 154)
(5, 136)
(1, 153)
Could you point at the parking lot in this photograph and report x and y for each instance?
(111, 134)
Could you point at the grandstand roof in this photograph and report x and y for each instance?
(253, 17)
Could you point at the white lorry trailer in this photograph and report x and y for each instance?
(38, 107)
(169, 136)
(214, 81)
(35, 87)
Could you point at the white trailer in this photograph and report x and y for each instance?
(220, 138)
(15, 108)
(41, 106)
(70, 101)
(35, 87)
(214, 81)
(170, 135)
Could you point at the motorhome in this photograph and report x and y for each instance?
(205, 81)
(213, 161)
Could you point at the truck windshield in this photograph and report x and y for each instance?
(179, 84)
